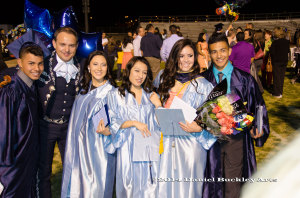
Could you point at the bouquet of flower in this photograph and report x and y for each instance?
(223, 114)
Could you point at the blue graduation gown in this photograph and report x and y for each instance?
(182, 166)
(133, 178)
(244, 85)
(18, 139)
(88, 169)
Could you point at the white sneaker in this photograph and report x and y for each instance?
(280, 96)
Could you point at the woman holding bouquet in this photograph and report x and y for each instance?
(88, 169)
(183, 157)
(131, 110)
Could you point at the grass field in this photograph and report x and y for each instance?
(284, 118)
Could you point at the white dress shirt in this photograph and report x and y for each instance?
(137, 46)
(66, 70)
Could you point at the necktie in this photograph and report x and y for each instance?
(220, 76)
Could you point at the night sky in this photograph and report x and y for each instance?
(112, 12)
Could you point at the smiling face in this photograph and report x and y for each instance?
(186, 59)
(219, 53)
(138, 74)
(65, 46)
(98, 69)
(31, 65)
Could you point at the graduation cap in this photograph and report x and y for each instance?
(32, 36)
(219, 26)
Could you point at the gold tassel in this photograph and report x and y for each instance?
(161, 145)
(6, 81)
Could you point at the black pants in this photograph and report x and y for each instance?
(232, 162)
(49, 134)
(278, 78)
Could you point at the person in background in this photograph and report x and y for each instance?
(150, 46)
(267, 75)
(164, 34)
(239, 29)
(279, 52)
(248, 36)
(202, 49)
(19, 139)
(157, 32)
(168, 43)
(219, 28)
(231, 36)
(259, 45)
(129, 33)
(178, 31)
(134, 35)
(297, 60)
(88, 139)
(206, 34)
(119, 60)
(242, 53)
(111, 50)
(137, 42)
(249, 26)
(127, 49)
(104, 40)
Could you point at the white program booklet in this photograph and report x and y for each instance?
(188, 111)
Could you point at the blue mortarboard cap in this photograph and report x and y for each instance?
(30, 35)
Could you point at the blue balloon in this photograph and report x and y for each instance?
(65, 17)
(87, 43)
(37, 19)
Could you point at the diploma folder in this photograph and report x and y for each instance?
(169, 119)
(102, 114)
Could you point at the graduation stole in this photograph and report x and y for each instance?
(6, 81)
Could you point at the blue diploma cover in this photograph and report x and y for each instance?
(102, 114)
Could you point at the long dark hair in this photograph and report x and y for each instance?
(127, 39)
(200, 37)
(87, 77)
(126, 84)
(169, 74)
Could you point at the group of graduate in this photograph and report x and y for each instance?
(101, 158)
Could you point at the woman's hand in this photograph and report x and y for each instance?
(155, 100)
(143, 128)
(192, 127)
(102, 129)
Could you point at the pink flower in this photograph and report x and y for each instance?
(216, 109)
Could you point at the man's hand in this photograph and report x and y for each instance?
(258, 135)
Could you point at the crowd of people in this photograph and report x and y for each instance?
(105, 126)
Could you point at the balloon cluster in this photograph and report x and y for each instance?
(227, 10)
(40, 20)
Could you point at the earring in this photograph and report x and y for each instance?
(89, 70)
